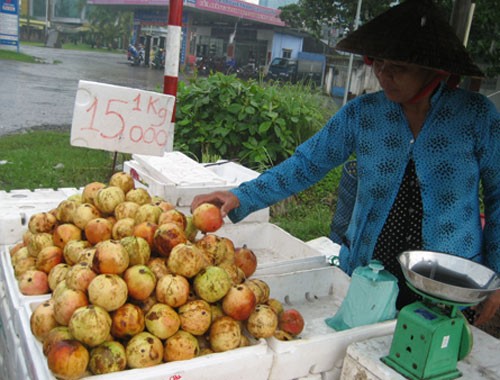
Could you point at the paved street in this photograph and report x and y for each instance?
(34, 95)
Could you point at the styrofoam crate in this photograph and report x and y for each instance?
(178, 169)
(362, 359)
(247, 363)
(10, 332)
(270, 243)
(182, 196)
(21, 196)
(317, 294)
(171, 177)
(17, 206)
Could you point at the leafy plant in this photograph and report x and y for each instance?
(246, 121)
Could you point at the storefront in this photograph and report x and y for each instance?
(217, 29)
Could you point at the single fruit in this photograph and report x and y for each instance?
(38, 242)
(291, 321)
(144, 350)
(73, 249)
(214, 247)
(42, 320)
(123, 228)
(48, 258)
(245, 259)
(42, 222)
(172, 290)
(139, 196)
(127, 321)
(196, 317)
(64, 233)
(108, 198)
(141, 281)
(167, 236)
(54, 335)
(239, 302)
(65, 210)
(85, 213)
(186, 259)
(68, 359)
(212, 283)
(146, 230)
(79, 276)
(33, 282)
(180, 346)
(110, 257)
(137, 248)
(126, 210)
(162, 321)
(147, 213)
(263, 322)
(108, 291)
(98, 229)
(90, 325)
(66, 301)
(108, 357)
(173, 216)
(122, 180)
(225, 334)
(90, 191)
(207, 217)
(57, 274)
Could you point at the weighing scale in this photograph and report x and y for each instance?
(432, 335)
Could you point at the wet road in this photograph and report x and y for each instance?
(34, 95)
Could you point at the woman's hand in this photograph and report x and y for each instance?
(486, 310)
(225, 200)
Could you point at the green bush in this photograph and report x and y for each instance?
(255, 124)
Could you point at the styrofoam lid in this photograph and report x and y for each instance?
(177, 168)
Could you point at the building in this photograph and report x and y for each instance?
(216, 29)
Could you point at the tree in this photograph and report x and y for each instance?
(316, 16)
(108, 24)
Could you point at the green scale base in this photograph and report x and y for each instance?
(428, 342)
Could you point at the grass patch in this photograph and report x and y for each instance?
(44, 159)
(12, 55)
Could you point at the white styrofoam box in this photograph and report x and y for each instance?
(247, 363)
(179, 178)
(362, 359)
(17, 206)
(24, 196)
(182, 196)
(324, 245)
(270, 243)
(317, 294)
(178, 169)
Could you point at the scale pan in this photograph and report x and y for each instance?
(448, 277)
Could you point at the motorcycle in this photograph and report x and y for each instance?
(134, 56)
(159, 59)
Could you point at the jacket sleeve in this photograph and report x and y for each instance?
(312, 160)
(490, 177)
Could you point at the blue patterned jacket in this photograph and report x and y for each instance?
(458, 146)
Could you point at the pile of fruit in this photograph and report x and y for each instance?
(134, 283)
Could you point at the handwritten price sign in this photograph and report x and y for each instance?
(121, 119)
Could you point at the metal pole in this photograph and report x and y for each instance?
(173, 48)
(351, 56)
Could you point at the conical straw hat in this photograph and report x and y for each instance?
(413, 32)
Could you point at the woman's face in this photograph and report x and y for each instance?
(400, 81)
